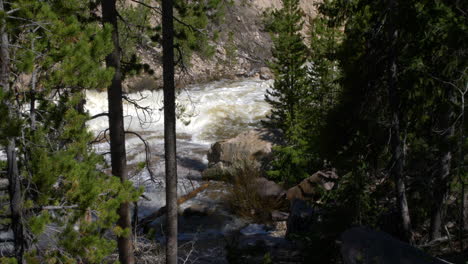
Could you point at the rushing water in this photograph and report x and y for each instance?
(207, 113)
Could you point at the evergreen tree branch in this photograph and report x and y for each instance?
(159, 11)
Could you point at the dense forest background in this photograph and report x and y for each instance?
(372, 90)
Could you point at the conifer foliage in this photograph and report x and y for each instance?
(55, 56)
(287, 95)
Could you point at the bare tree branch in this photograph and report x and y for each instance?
(147, 154)
(99, 115)
(146, 111)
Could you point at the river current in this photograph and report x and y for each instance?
(207, 113)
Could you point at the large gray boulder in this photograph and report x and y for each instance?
(362, 245)
(265, 73)
(252, 145)
(250, 148)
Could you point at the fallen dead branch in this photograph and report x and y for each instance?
(145, 221)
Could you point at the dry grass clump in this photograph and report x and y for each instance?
(243, 197)
(146, 251)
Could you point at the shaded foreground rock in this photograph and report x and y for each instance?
(365, 246)
(261, 248)
(302, 218)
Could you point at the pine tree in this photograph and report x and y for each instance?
(61, 182)
(435, 61)
(117, 130)
(399, 73)
(16, 203)
(287, 95)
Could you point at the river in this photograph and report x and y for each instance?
(207, 113)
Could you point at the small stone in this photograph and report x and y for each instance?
(265, 73)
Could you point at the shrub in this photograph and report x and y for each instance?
(243, 197)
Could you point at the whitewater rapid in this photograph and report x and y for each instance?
(207, 113)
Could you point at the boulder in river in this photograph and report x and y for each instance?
(265, 73)
(253, 146)
(365, 246)
(197, 210)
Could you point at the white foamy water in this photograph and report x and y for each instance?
(206, 113)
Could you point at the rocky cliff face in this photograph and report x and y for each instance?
(242, 49)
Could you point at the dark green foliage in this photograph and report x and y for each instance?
(288, 92)
(63, 186)
(191, 36)
(343, 118)
(301, 95)
(139, 30)
(231, 49)
(134, 35)
(431, 63)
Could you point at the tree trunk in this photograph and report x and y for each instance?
(16, 203)
(170, 130)
(398, 135)
(464, 196)
(442, 177)
(464, 213)
(15, 196)
(117, 132)
(32, 94)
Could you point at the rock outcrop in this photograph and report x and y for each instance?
(365, 246)
(309, 188)
(242, 49)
